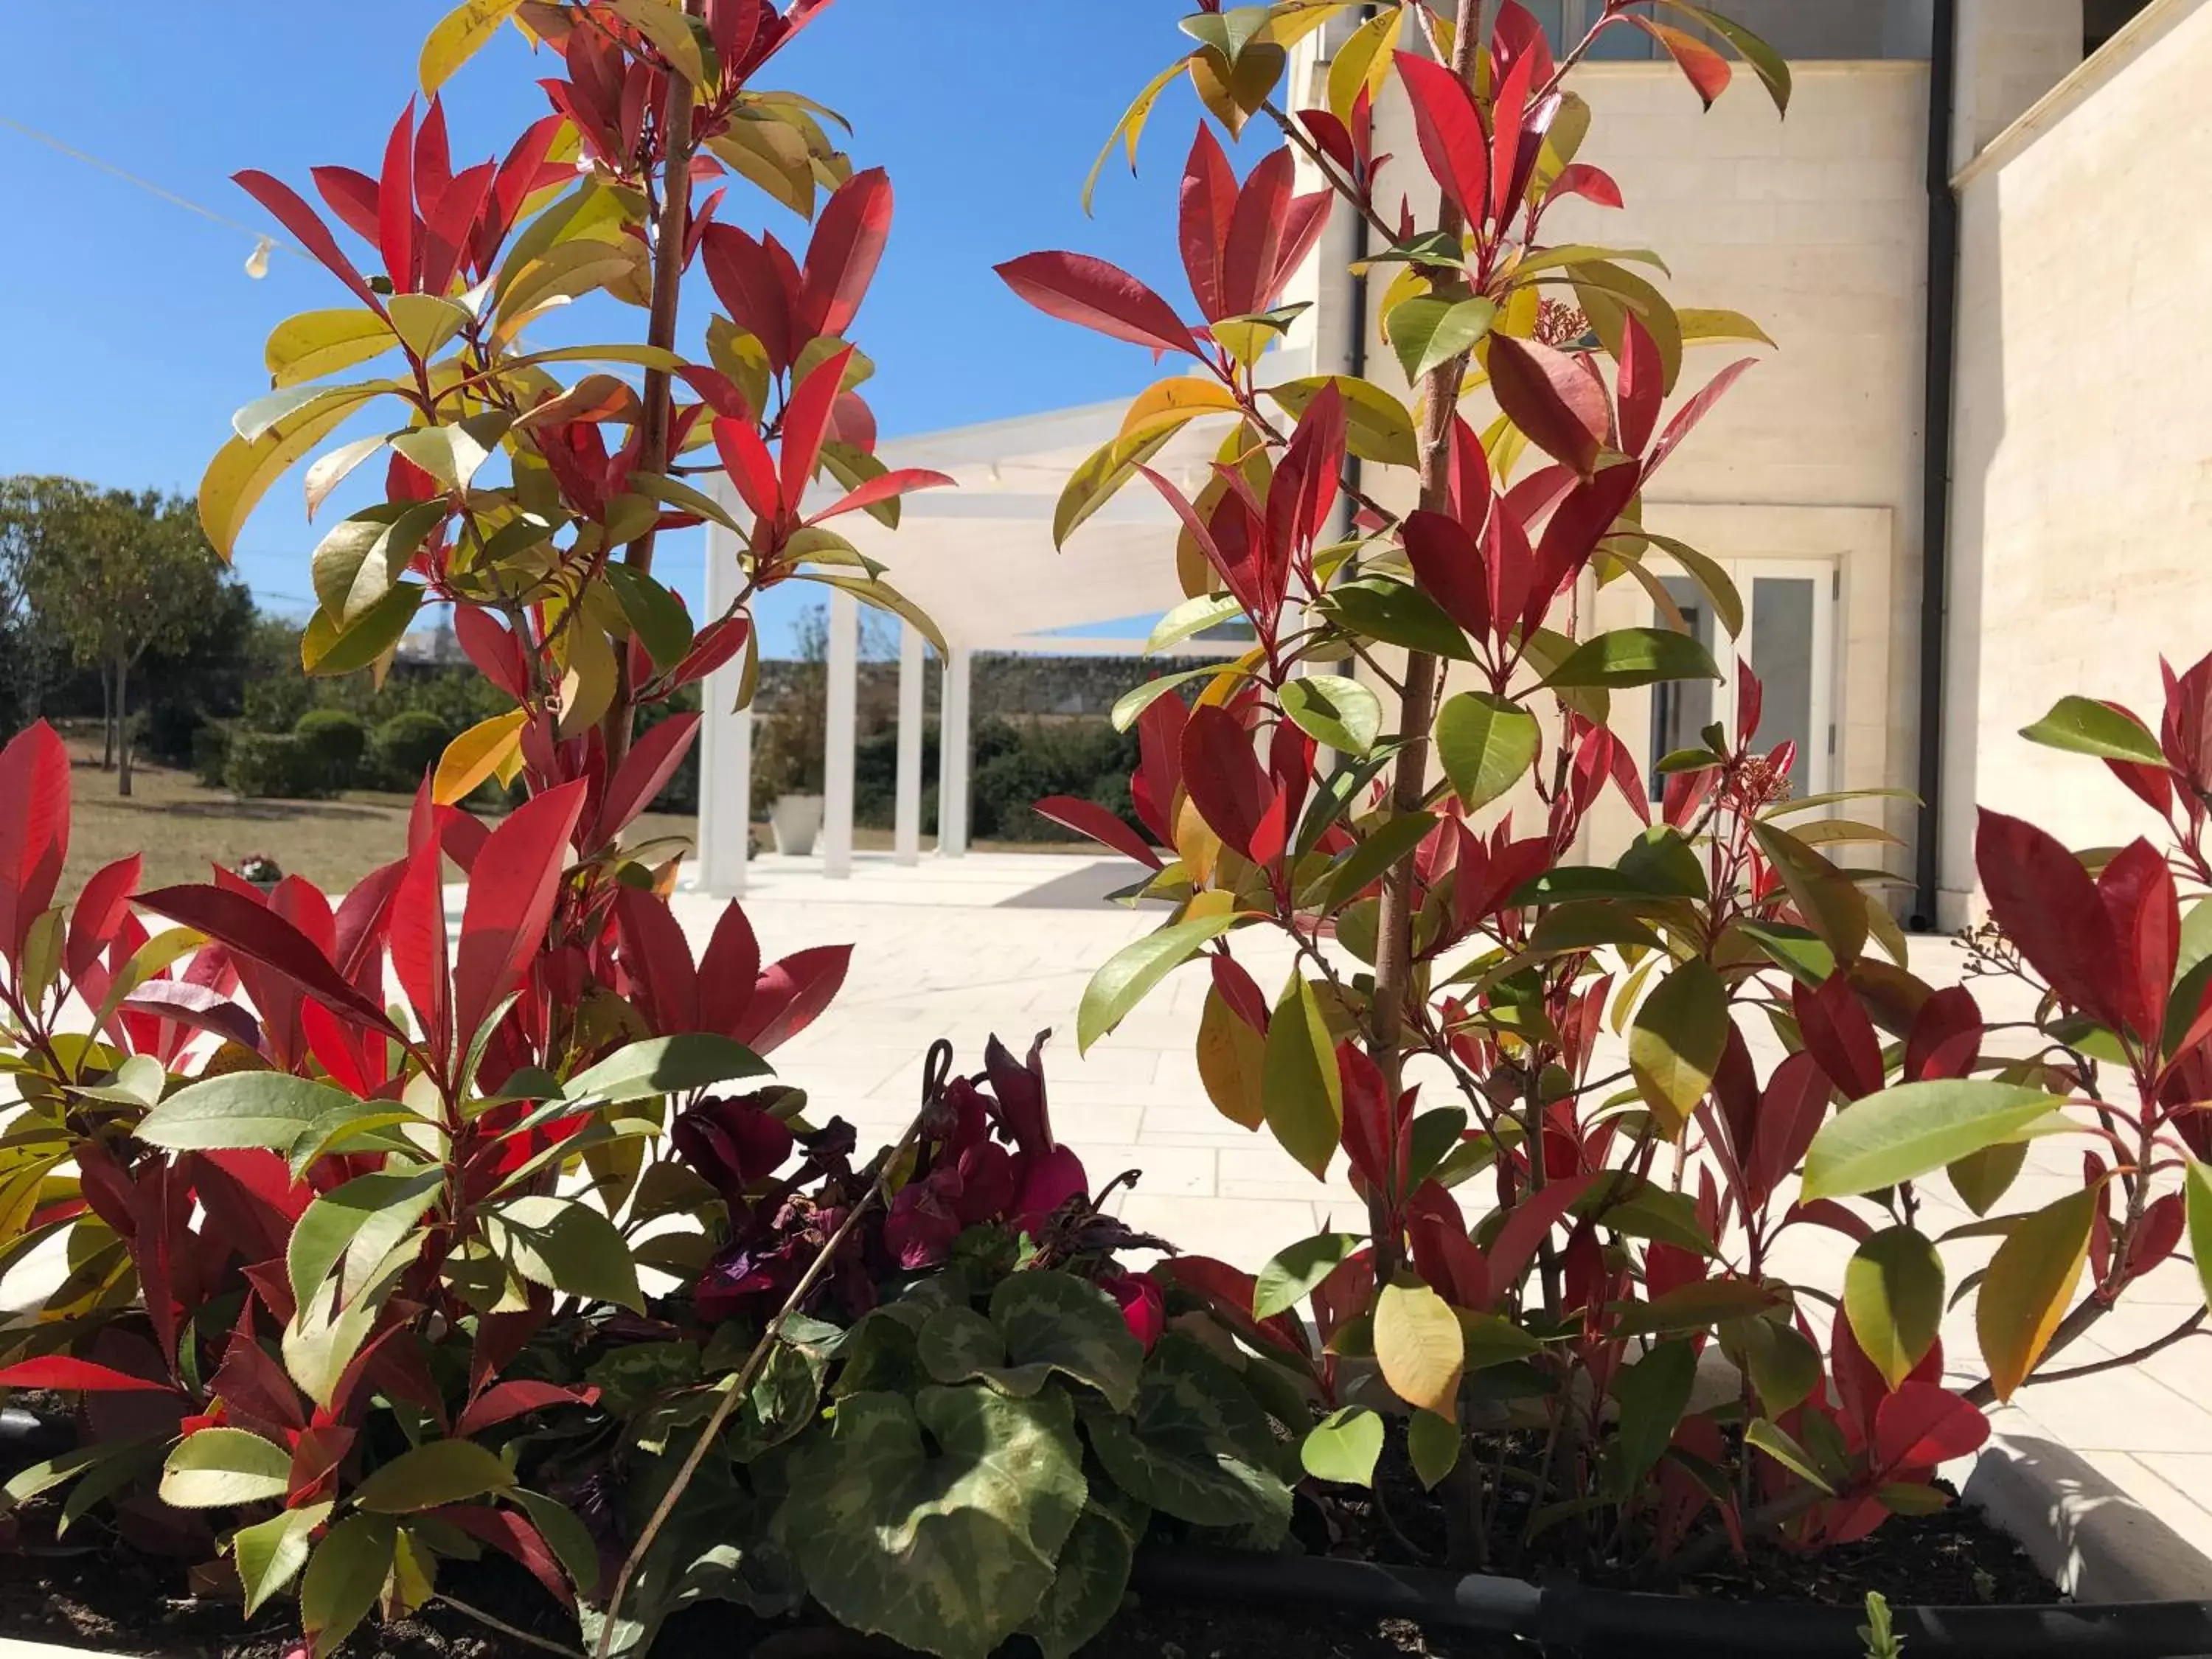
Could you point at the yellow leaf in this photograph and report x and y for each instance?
(459, 36)
(1172, 403)
(1420, 1347)
(484, 748)
(1198, 847)
(588, 691)
(241, 472)
(1675, 1044)
(671, 34)
(1231, 1061)
(318, 343)
(1233, 93)
(2029, 1283)
(1364, 62)
(1131, 126)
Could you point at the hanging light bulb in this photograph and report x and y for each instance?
(257, 263)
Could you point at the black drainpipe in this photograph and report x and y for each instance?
(1935, 458)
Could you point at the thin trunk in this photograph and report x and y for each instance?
(1394, 970)
(670, 236)
(106, 721)
(122, 726)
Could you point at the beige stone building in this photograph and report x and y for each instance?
(1945, 503)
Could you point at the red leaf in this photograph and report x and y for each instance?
(252, 932)
(2047, 905)
(1514, 1245)
(1077, 289)
(1509, 108)
(1449, 568)
(1790, 1109)
(806, 423)
(841, 261)
(1924, 1424)
(196, 1007)
(512, 1534)
(729, 974)
(518, 877)
(1302, 495)
(1553, 398)
(1303, 221)
(1450, 132)
(1232, 1289)
(1240, 991)
(658, 959)
(511, 1400)
(1374, 1132)
(2145, 909)
(751, 285)
(1687, 417)
(351, 194)
(60, 1371)
(644, 773)
(885, 487)
(712, 646)
(100, 912)
(458, 207)
(718, 392)
(35, 829)
(1443, 1255)
(1088, 817)
(1209, 206)
(1223, 776)
(421, 947)
(745, 458)
(496, 653)
(1946, 1037)
(790, 995)
(307, 229)
(1641, 387)
(1159, 768)
(1250, 261)
(1591, 184)
(1839, 1036)
(1706, 69)
(395, 203)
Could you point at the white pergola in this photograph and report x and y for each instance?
(980, 562)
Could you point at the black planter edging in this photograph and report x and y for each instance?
(1600, 1623)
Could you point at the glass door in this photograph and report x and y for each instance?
(1789, 640)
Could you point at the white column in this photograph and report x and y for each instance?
(906, 836)
(838, 736)
(726, 740)
(952, 774)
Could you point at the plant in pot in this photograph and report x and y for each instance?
(787, 761)
(1590, 1110)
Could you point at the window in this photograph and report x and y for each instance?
(2103, 19)
(1805, 30)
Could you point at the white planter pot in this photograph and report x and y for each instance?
(797, 820)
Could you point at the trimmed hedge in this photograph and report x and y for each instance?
(338, 740)
(264, 765)
(407, 745)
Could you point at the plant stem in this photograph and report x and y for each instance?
(2192, 1326)
(1984, 1393)
(743, 1384)
(1394, 957)
(658, 413)
(502, 1626)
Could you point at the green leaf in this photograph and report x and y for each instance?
(1426, 331)
(1768, 64)
(1130, 704)
(1433, 1443)
(1191, 617)
(2083, 726)
(1379, 848)
(1398, 614)
(1675, 1044)
(1344, 1447)
(1778, 1445)
(1486, 742)
(2029, 1285)
(425, 322)
(1630, 657)
(946, 1544)
(240, 1110)
(359, 1221)
(358, 563)
(454, 455)
(270, 1553)
(1303, 1088)
(1420, 1347)
(1100, 477)
(1376, 426)
(567, 1246)
(1652, 1396)
(1128, 976)
(673, 36)
(1041, 1321)
(1830, 900)
(1333, 710)
(1980, 1179)
(1291, 1277)
(438, 1472)
(216, 1468)
(1197, 1446)
(1893, 1297)
(569, 1539)
(2198, 1186)
(666, 1066)
(1904, 1133)
(657, 614)
(1696, 1306)
(1088, 1584)
(344, 1576)
(329, 647)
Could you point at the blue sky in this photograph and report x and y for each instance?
(134, 331)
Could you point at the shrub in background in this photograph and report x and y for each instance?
(275, 766)
(337, 741)
(211, 753)
(406, 748)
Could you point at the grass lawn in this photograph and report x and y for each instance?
(182, 827)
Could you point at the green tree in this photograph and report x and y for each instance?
(112, 574)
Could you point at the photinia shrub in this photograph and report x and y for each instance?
(1576, 1303)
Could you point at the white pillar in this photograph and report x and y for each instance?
(725, 740)
(952, 772)
(906, 836)
(838, 736)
